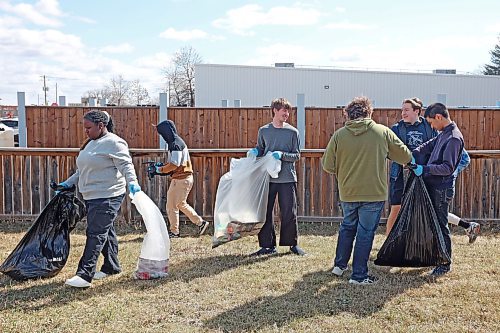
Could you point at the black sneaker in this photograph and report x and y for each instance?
(297, 250)
(202, 227)
(366, 281)
(172, 235)
(263, 251)
(440, 271)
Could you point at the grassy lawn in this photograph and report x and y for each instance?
(224, 290)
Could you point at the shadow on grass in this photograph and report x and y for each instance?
(39, 294)
(318, 294)
(206, 267)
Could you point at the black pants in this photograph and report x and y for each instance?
(441, 201)
(287, 200)
(101, 237)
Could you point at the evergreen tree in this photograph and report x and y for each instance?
(494, 68)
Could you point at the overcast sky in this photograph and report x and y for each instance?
(81, 45)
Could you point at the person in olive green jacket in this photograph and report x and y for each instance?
(356, 155)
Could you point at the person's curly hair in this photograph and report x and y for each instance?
(360, 107)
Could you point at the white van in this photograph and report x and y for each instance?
(14, 124)
(6, 136)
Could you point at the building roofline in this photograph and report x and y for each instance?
(328, 69)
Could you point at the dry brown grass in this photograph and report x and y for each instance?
(224, 290)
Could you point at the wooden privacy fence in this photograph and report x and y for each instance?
(26, 175)
(62, 127)
(213, 128)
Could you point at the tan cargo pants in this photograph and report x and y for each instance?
(176, 200)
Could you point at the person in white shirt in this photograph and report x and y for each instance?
(104, 167)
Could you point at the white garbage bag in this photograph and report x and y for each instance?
(155, 251)
(241, 201)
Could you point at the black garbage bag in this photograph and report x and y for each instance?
(416, 239)
(44, 250)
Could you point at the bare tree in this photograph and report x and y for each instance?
(97, 94)
(118, 89)
(180, 76)
(121, 92)
(138, 93)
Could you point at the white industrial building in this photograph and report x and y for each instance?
(256, 86)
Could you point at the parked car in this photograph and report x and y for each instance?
(14, 124)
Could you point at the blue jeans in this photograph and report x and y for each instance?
(360, 221)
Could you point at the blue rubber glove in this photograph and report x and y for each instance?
(277, 155)
(134, 188)
(413, 160)
(158, 165)
(63, 184)
(418, 170)
(252, 152)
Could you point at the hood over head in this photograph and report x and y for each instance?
(168, 132)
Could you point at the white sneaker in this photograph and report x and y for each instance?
(100, 275)
(395, 270)
(77, 282)
(338, 271)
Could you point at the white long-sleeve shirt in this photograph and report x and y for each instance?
(104, 167)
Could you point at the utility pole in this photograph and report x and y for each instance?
(56, 92)
(45, 89)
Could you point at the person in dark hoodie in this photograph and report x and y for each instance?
(180, 169)
(414, 130)
(357, 155)
(437, 159)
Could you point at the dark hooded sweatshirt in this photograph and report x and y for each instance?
(441, 156)
(178, 162)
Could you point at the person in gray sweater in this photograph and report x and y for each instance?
(282, 140)
(104, 167)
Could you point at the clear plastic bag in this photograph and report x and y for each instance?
(155, 250)
(241, 201)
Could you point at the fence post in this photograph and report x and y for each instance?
(21, 110)
(62, 100)
(163, 115)
(301, 119)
